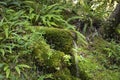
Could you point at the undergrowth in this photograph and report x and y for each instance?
(28, 53)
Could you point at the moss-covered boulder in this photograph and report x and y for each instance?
(52, 61)
(51, 56)
(59, 39)
(47, 59)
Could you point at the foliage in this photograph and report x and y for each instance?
(113, 53)
(110, 51)
(16, 39)
(27, 48)
(64, 74)
(85, 67)
(46, 76)
(90, 15)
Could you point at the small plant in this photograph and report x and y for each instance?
(46, 76)
(67, 59)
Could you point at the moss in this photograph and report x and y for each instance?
(41, 51)
(56, 59)
(64, 74)
(47, 58)
(105, 74)
(59, 39)
(81, 72)
(50, 57)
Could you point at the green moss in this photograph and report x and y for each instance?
(59, 39)
(51, 57)
(56, 59)
(47, 57)
(107, 75)
(64, 74)
(41, 51)
(81, 70)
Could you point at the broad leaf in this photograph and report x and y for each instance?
(17, 69)
(7, 73)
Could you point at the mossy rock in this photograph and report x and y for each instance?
(59, 39)
(50, 57)
(47, 59)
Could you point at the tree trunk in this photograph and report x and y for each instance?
(112, 23)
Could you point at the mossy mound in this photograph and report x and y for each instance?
(52, 61)
(59, 39)
(47, 58)
(51, 55)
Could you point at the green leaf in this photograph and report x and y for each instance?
(1, 38)
(23, 66)
(110, 54)
(37, 17)
(54, 24)
(6, 67)
(2, 51)
(10, 49)
(3, 3)
(15, 3)
(7, 73)
(1, 22)
(31, 10)
(73, 18)
(41, 77)
(6, 32)
(29, 2)
(81, 39)
(17, 69)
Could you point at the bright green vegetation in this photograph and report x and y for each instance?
(39, 41)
